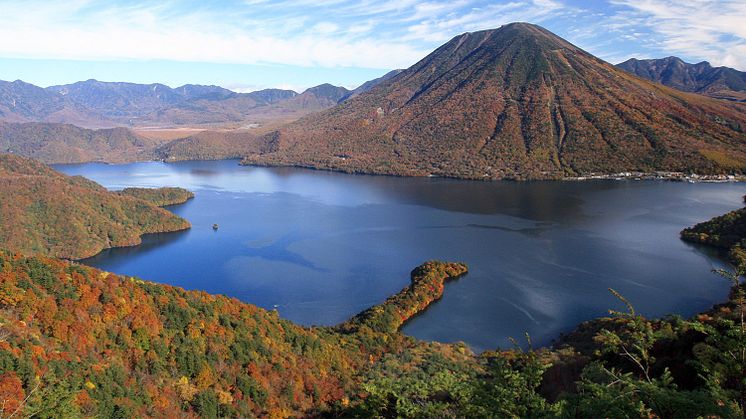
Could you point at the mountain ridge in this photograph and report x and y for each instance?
(717, 82)
(96, 104)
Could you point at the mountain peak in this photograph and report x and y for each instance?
(327, 91)
(526, 38)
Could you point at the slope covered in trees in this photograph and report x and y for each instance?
(47, 213)
(63, 143)
(213, 145)
(159, 197)
(727, 231)
(75, 341)
(516, 102)
(78, 341)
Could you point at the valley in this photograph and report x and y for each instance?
(497, 223)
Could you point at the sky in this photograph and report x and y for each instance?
(247, 45)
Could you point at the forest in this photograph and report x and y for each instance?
(159, 197)
(77, 341)
(727, 232)
(43, 212)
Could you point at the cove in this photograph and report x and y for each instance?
(320, 246)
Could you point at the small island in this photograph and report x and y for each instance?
(160, 196)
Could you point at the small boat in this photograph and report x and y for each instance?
(215, 227)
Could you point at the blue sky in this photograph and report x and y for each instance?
(252, 44)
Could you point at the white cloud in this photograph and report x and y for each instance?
(329, 33)
(712, 29)
(144, 33)
(491, 16)
(381, 34)
(325, 28)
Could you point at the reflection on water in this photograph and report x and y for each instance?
(322, 246)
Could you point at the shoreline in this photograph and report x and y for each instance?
(629, 175)
(665, 176)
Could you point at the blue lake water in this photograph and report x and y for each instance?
(322, 246)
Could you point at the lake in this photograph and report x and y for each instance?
(320, 246)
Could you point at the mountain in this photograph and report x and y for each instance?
(97, 104)
(702, 78)
(319, 97)
(24, 102)
(64, 143)
(198, 91)
(371, 84)
(44, 212)
(516, 102)
(270, 96)
(159, 105)
(117, 100)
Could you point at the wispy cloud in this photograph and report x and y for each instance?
(714, 30)
(364, 34)
(329, 33)
(441, 27)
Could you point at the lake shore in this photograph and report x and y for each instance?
(670, 176)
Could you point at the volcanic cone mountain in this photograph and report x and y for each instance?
(515, 102)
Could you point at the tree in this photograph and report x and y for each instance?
(12, 396)
(723, 355)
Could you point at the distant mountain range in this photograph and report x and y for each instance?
(515, 102)
(62, 124)
(96, 104)
(718, 82)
